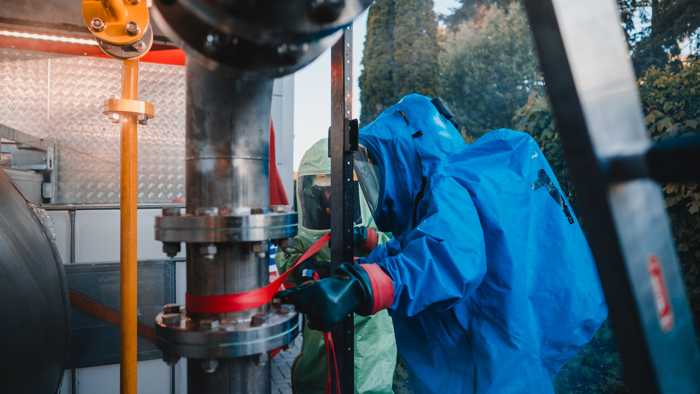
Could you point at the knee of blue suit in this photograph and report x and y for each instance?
(492, 273)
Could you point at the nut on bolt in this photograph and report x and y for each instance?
(171, 249)
(97, 24)
(207, 324)
(171, 308)
(132, 28)
(172, 319)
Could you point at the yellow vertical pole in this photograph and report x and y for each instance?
(128, 252)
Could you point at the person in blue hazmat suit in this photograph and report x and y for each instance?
(489, 279)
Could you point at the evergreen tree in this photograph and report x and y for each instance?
(469, 9)
(377, 77)
(416, 48)
(400, 54)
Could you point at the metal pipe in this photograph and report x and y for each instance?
(128, 240)
(226, 173)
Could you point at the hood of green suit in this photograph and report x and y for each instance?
(315, 161)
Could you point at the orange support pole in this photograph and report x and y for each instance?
(128, 251)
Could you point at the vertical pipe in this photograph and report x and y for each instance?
(228, 118)
(128, 210)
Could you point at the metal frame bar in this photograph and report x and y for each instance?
(595, 100)
(342, 193)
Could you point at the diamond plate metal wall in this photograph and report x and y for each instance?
(88, 143)
(61, 98)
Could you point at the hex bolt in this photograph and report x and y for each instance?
(172, 319)
(171, 249)
(171, 358)
(132, 28)
(208, 251)
(209, 365)
(211, 325)
(258, 319)
(97, 24)
(171, 308)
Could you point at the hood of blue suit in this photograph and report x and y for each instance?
(408, 141)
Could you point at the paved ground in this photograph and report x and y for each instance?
(282, 369)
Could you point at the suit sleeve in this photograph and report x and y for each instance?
(442, 259)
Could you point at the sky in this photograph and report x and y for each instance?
(312, 89)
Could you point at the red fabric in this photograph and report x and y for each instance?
(237, 302)
(278, 196)
(331, 364)
(372, 240)
(382, 287)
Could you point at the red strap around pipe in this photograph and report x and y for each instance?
(238, 302)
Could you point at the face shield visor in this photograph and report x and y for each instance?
(369, 176)
(315, 200)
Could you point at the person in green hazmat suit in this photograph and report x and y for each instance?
(375, 346)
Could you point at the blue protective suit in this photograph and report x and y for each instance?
(495, 286)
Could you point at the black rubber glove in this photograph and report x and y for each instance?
(327, 301)
(364, 240)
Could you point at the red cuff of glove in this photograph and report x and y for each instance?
(382, 287)
(372, 240)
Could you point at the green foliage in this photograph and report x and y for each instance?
(489, 68)
(468, 9)
(657, 29)
(672, 106)
(400, 54)
(671, 100)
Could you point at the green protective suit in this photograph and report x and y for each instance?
(375, 347)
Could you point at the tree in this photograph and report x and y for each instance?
(377, 77)
(415, 48)
(656, 30)
(488, 69)
(400, 54)
(469, 9)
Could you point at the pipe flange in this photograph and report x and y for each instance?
(219, 229)
(213, 44)
(128, 51)
(180, 336)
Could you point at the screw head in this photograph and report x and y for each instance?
(132, 28)
(97, 24)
